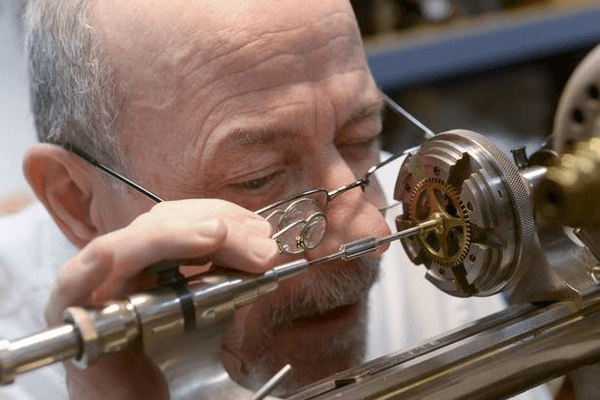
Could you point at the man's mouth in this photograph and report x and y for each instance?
(337, 313)
(329, 324)
(326, 292)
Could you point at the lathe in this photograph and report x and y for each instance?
(480, 222)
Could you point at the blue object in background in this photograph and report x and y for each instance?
(485, 47)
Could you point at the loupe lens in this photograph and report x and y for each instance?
(314, 230)
(293, 240)
(299, 210)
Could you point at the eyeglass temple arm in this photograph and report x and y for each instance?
(399, 110)
(75, 150)
(365, 180)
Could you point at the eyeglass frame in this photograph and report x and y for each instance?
(329, 195)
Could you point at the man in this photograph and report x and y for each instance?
(220, 108)
(241, 102)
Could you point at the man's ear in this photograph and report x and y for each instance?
(63, 183)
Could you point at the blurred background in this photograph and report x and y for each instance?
(16, 123)
(493, 66)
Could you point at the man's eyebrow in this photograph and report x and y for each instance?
(367, 111)
(240, 137)
(249, 137)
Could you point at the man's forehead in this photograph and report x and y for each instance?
(134, 26)
(188, 65)
(163, 50)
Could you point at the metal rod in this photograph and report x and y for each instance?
(422, 227)
(272, 383)
(500, 357)
(37, 351)
(366, 245)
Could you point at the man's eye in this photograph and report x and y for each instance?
(258, 183)
(361, 149)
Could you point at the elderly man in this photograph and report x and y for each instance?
(245, 102)
(220, 108)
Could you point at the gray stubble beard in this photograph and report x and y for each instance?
(326, 292)
(349, 287)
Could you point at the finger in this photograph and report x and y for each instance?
(76, 282)
(247, 248)
(137, 247)
(224, 242)
(254, 254)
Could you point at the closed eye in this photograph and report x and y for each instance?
(258, 183)
(361, 149)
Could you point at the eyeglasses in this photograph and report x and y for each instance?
(299, 221)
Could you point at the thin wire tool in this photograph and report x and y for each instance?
(360, 247)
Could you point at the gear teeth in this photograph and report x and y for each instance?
(453, 195)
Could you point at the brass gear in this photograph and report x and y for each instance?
(448, 244)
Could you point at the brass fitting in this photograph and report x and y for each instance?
(570, 194)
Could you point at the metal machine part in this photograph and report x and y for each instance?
(570, 191)
(485, 242)
(568, 194)
(488, 238)
(494, 358)
(578, 112)
(433, 199)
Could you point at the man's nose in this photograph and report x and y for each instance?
(352, 215)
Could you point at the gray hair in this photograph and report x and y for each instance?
(74, 96)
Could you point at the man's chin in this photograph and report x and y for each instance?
(320, 333)
(316, 347)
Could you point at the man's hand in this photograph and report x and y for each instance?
(112, 266)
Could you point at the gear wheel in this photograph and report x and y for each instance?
(448, 244)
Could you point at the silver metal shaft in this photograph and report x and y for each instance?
(37, 351)
(358, 248)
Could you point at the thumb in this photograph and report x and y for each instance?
(75, 283)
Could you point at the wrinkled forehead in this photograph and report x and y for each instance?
(188, 66)
(161, 35)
